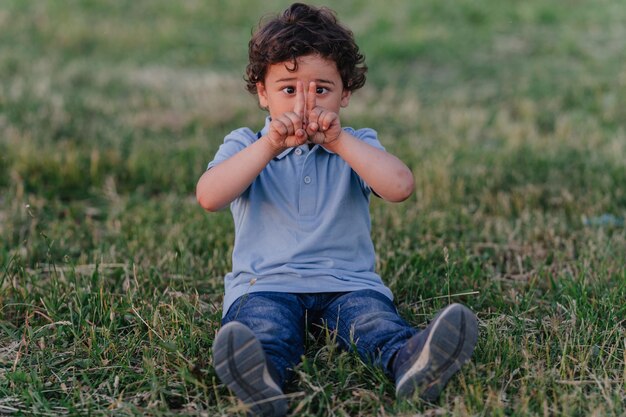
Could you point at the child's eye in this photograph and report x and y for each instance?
(289, 90)
(321, 90)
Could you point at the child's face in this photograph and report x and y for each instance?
(278, 91)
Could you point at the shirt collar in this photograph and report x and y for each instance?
(287, 151)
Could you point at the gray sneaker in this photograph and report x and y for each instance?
(431, 357)
(240, 363)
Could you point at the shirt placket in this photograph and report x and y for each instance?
(308, 178)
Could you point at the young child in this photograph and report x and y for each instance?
(299, 194)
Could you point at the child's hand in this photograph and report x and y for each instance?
(287, 130)
(323, 126)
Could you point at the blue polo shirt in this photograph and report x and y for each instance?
(303, 225)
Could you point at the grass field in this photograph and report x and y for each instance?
(511, 115)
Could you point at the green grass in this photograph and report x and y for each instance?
(510, 114)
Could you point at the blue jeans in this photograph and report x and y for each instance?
(365, 320)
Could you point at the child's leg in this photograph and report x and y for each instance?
(420, 362)
(260, 339)
(368, 321)
(430, 358)
(242, 366)
(277, 321)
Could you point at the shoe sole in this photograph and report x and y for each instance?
(449, 346)
(240, 363)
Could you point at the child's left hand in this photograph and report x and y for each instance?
(323, 127)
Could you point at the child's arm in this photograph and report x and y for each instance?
(220, 185)
(224, 182)
(386, 175)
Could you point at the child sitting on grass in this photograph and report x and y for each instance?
(299, 193)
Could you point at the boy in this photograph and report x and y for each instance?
(299, 194)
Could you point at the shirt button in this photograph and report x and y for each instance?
(298, 151)
(307, 180)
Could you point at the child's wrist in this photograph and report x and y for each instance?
(335, 145)
(270, 146)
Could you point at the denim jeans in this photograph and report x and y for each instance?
(365, 320)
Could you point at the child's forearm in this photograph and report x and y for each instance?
(386, 175)
(224, 182)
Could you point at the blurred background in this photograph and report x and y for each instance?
(96, 89)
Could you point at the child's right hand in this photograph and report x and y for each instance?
(287, 130)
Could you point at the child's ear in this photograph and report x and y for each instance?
(345, 97)
(262, 93)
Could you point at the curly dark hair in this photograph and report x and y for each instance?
(304, 30)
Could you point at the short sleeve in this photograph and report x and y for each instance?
(369, 136)
(234, 142)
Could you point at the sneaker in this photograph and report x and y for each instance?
(240, 363)
(430, 358)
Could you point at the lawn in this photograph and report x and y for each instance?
(511, 114)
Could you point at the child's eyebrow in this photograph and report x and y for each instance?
(286, 80)
(317, 81)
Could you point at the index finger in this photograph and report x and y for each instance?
(299, 106)
(311, 97)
